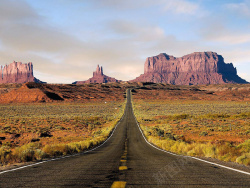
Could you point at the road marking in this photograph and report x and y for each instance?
(119, 184)
(124, 157)
(123, 168)
(34, 164)
(229, 168)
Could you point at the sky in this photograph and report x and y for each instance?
(67, 39)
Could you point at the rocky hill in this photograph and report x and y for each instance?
(39, 92)
(17, 72)
(98, 77)
(193, 69)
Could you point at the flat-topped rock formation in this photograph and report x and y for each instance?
(17, 72)
(193, 69)
(98, 77)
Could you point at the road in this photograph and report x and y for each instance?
(125, 159)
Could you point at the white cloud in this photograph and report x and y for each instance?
(216, 31)
(237, 56)
(242, 8)
(181, 6)
(16, 11)
(137, 31)
(174, 6)
(232, 38)
(115, 40)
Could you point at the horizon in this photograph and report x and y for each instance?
(65, 40)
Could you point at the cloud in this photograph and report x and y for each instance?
(218, 32)
(174, 6)
(16, 11)
(229, 37)
(137, 31)
(25, 36)
(61, 55)
(180, 6)
(119, 35)
(237, 56)
(242, 8)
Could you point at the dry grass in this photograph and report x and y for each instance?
(218, 129)
(37, 131)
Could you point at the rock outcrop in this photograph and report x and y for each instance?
(39, 93)
(17, 72)
(193, 69)
(98, 77)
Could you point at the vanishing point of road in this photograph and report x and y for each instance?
(126, 159)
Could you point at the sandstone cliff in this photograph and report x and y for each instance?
(193, 69)
(17, 72)
(98, 77)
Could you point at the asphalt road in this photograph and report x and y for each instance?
(125, 159)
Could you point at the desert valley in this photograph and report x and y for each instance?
(124, 93)
(195, 105)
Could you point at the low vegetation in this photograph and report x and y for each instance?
(36, 131)
(216, 129)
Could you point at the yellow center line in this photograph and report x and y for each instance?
(119, 184)
(122, 184)
(123, 168)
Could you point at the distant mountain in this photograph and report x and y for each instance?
(17, 72)
(193, 69)
(98, 77)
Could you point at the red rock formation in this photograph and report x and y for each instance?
(193, 69)
(98, 72)
(17, 72)
(98, 77)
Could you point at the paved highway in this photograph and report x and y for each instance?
(126, 159)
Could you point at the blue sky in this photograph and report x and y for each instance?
(66, 39)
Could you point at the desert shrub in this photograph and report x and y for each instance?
(204, 133)
(56, 150)
(160, 132)
(209, 150)
(180, 116)
(241, 115)
(245, 146)
(247, 132)
(40, 154)
(26, 152)
(214, 116)
(44, 132)
(27, 155)
(5, 154)
(91, 126)
(244, 159)
(170, 136)
(98, 132)
(7, 144)
(75, 147)
(60, 127)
